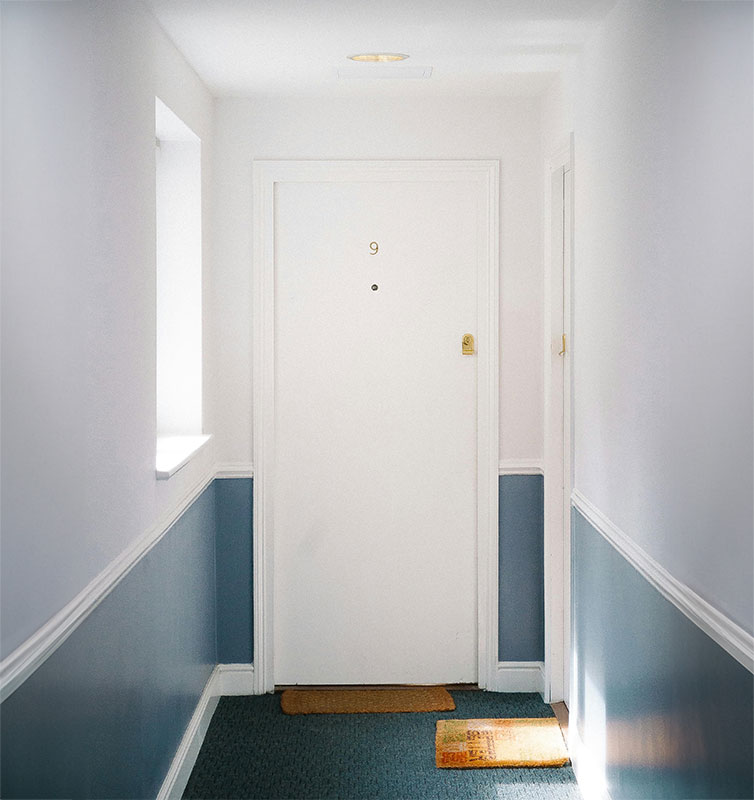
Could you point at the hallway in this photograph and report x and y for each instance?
(353, 341)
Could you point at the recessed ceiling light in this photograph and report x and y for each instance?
(381, 57)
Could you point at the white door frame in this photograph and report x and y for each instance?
(266, 174)
(557, 428)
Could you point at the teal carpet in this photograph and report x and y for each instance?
(254, 751)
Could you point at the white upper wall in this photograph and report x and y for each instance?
(79, 82)
(663, 288)
(558, 111)
(382, 128)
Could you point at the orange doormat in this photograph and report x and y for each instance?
(467, 743)
(365, 701)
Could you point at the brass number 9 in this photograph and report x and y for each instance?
(374, 247)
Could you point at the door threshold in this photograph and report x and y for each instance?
(356, 686)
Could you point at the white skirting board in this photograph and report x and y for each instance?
(589, 771)
(518, 676)
(185, 757)
(234, 679)
(226, 679)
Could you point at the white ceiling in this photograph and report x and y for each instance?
(252, 47)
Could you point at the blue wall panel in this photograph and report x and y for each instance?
(521, 568)
(235, 631)
(103, 716)
(669, 708)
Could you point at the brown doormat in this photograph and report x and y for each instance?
(467, 743)
(365, 701)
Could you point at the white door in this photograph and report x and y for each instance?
(374, 478)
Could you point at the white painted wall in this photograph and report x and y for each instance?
(663, 288)
(557, 109)
(382, 128)
(78, 304)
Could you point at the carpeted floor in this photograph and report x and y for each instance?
(254, 751)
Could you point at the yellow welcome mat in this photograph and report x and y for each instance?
(365, 701)
(468, 743)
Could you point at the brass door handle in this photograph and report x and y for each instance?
(562, 352)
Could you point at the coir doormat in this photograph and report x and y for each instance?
(468, 743)
(365, 701)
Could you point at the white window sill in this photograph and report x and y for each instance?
(174, 452)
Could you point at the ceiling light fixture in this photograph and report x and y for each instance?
(379, 57)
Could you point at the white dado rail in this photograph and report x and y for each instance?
(731, 637)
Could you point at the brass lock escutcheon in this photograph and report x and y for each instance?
(467, 344)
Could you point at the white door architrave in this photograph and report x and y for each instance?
(558, 420)
(266, 175)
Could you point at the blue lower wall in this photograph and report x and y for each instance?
(235, 621)
(521, 595)
(103, 716)
(668, 707)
